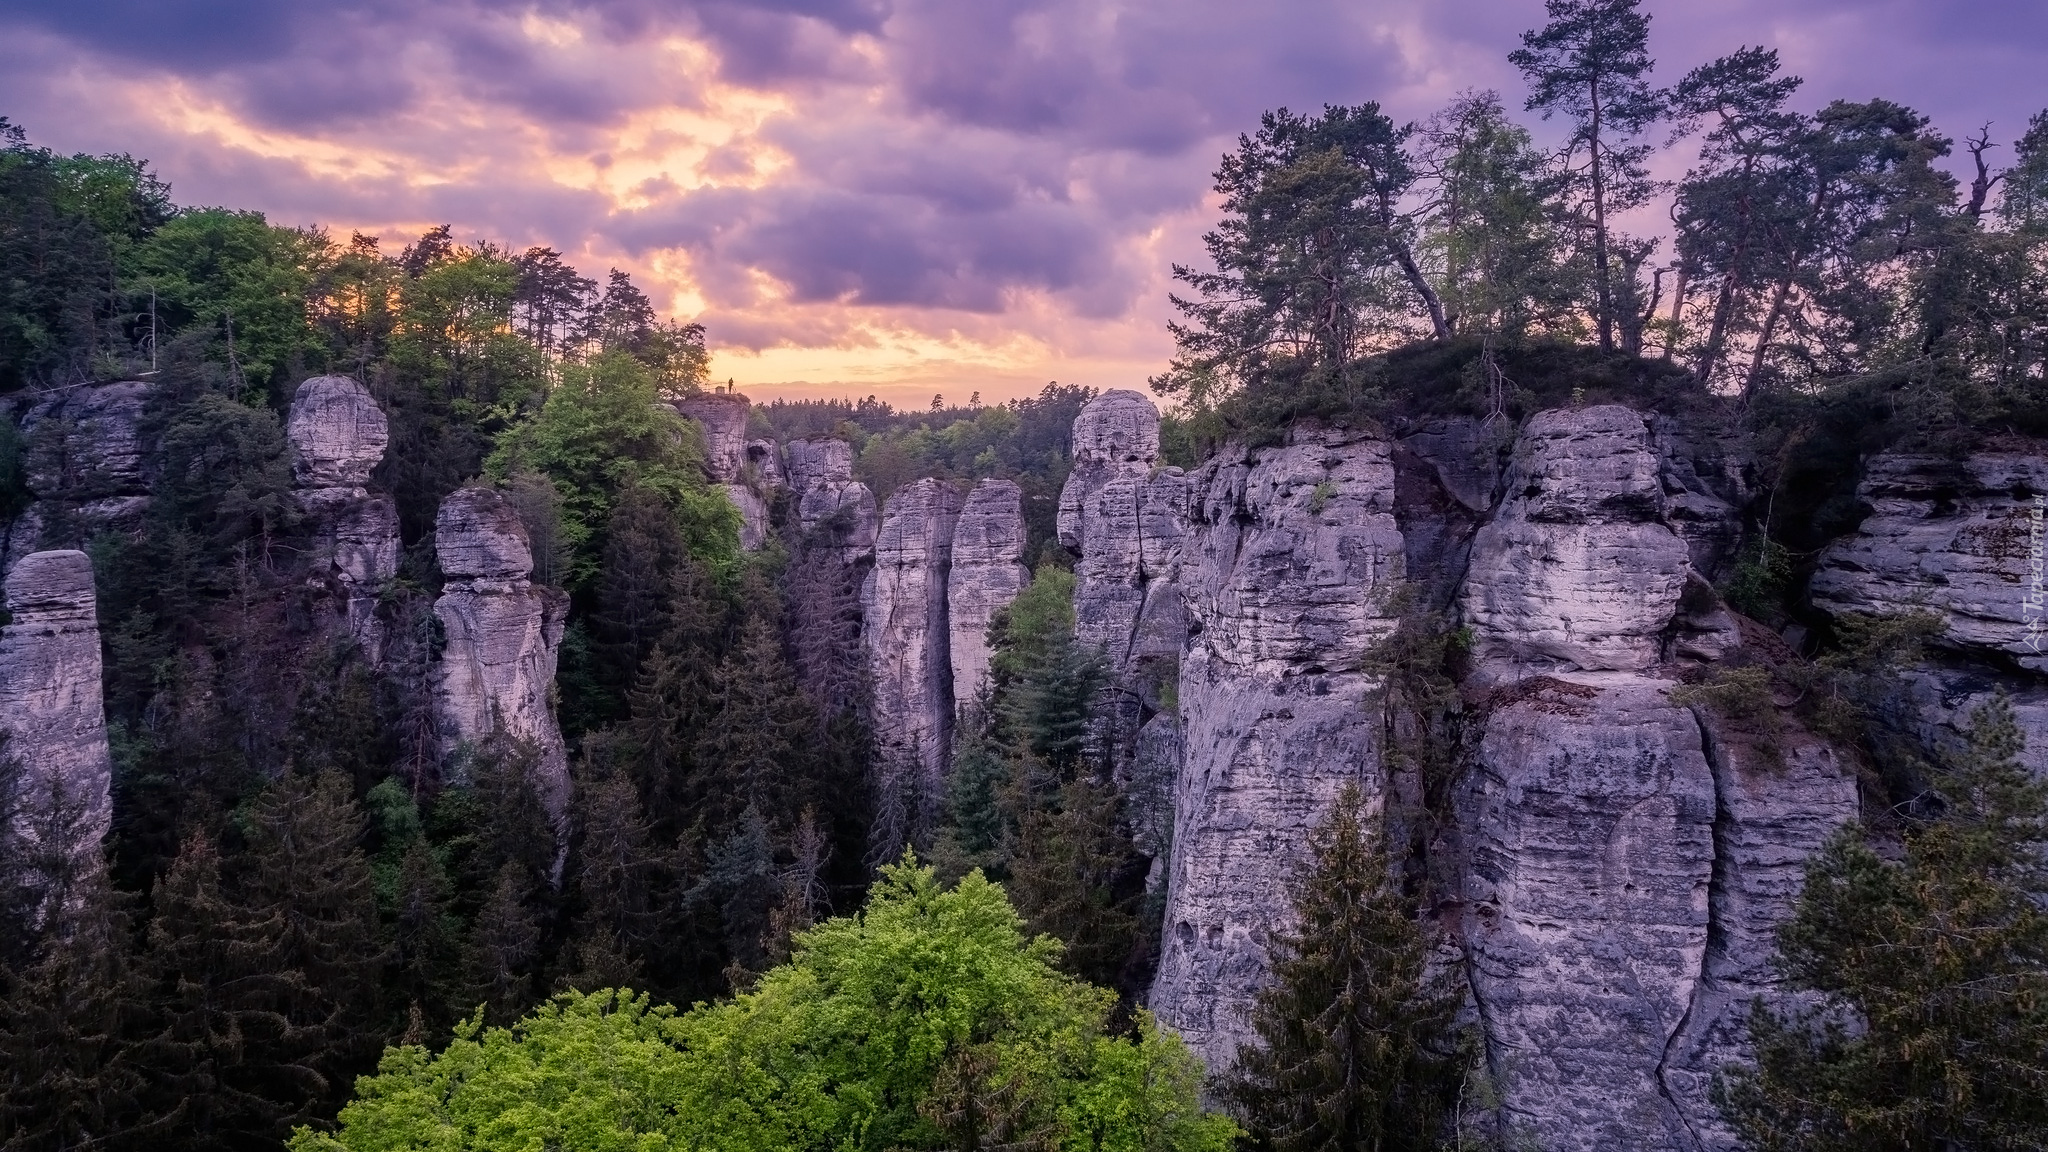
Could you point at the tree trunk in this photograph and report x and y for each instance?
(1784, 291)
(1603, 289)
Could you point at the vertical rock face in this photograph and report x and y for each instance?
(988, 572)
(338, 436)
(496, 675)
(1121, 515)
(727, 456)
(1290, 557)
(1962, 538)
(50, 702)
(821, 478)
(1577, 569)
(85, 463)
(906, 635)
(1590, 822)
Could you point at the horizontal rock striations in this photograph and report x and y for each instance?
(906, 635)
(733, 463)
(1289, 563)
(338, 435)
(1961, 538)
(51, 709)
(495, 679)
(828, 498)
(988, 572)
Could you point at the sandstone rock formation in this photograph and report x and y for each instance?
(1961, 538)
(727, 454)
(338, 436)
(1291, 556)
(85, 460)
(495, 681)
(1121, 515)
(988, 572)
(906, 634)
(820, 476)
(1577, 568)
(50, 703)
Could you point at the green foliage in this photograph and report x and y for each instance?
(1355, 1046)
(928, 1021)
(1762, 577)
(602, 432)
(1932, 973)
(240, 278)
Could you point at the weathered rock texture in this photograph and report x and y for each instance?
(338, 436)
(85, 460)
(1291, 557)
(728, 456)
(906, 635)
(1613, 865)
(1121, 514)
(1577, 569)
(495, 681)
(820, 476)
(988, 572)
(50, 703)
(1962, 538)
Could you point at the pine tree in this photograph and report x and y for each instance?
(1069, 875)
(1932, 1031)
(1354, 1047)
(741, 884)
(1591, 62)
(619, 880)
(755, 750)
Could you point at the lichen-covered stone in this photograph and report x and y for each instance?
(50, 703)
(1287, 570)
(495, 679)
(906, 635)
(988, 572)
(1577, 569)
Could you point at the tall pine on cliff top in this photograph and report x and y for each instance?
(1354, 1048)
(1939, 959)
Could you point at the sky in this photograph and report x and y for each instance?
(856, 197)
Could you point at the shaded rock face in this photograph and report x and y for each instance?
(1577, 568)
(85, 464)
(820, 475)
(1290, 557)
(1121, 515)
(988, 572)
(1961, 538)
(735, 464)
(1614, 864)
(906, 635)
(1590, 821)
(496, 675)
(50, 702)
(338, 435)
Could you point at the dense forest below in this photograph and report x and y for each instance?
(297, 876)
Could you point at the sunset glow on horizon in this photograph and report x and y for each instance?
(891, 197)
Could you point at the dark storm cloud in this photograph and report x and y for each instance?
(935, 153)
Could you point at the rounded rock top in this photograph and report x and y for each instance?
(1120, 426)
(478, 535)
(338, 433)
(43, 584)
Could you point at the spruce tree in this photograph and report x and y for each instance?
(68, 1021)
(267, 973)
(1932, 971)
(503, 949)
(1070, 876)
(756, 748)
(1354, 1047)
(618, 881)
